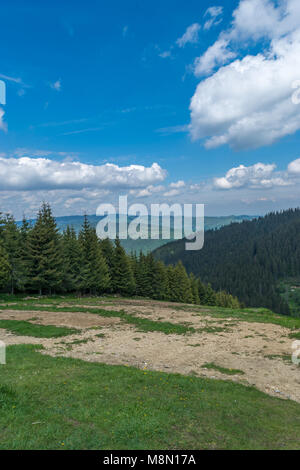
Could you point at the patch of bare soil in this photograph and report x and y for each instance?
(68, 319)
(257, 349)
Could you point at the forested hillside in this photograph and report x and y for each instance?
(246, 259)
(39, 259)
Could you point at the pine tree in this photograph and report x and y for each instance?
(194, 287)
(123, 279)
(108, 251)
(184, 285)
(201, 292)
(12, 245)
(72, 261)
(4, 268)
(179, 284)
(96, 278)
(160, 286)
(172, 284)
(24, 236)
(210, 296)
(45, 253)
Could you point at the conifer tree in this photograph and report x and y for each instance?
(210, 296)
(44, 253)
(201, 292)
(184, 285)
(24, 236)
(4, 268)
(96, 278)
(141, 276)
(108, 251)
(73, 261)
(12, 245)
(107, 248)
(160, 285)
(194, 287)
(123, 279)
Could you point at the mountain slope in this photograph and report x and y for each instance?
(246, 259)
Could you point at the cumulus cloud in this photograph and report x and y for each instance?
(190, 36)
(27, 173)
(213, 17)
(178, 184)
(248, 103)
(172, 192)
(146, 192)
(294, 167)
(256, 176)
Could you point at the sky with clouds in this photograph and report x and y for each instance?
(165, 101)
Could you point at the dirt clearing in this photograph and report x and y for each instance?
(261, 350)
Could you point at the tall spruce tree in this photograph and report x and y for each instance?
(123, 279)
(201, 292)
(4, 268)
(45, 253)
(12, 245)
(24, 252)
(160, 285)
(96, 278)
(183, 284)
(194, 287)
(73, 264)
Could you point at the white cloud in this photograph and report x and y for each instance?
(217, 54)
(172, 192)
(27, 173)
(255, 19)
(256, 176)
(190, 36)
(178, 184)
(261, 188)
(56, 85)
(146, 192)
(248, 103)
(213, 14)
(294, 167)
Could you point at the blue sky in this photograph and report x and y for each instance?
(110, 83)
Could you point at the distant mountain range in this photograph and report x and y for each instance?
(146, 246)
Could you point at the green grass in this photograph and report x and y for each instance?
(25, 328)
(63, 403)
(251, 315)
(258, 315)
(142, 324)
(223, 370)
(295, 335)
(213, 329)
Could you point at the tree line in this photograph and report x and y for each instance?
(249, 259)
(38, 258)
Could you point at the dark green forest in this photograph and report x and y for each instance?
(248, 259)
(37, 258)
